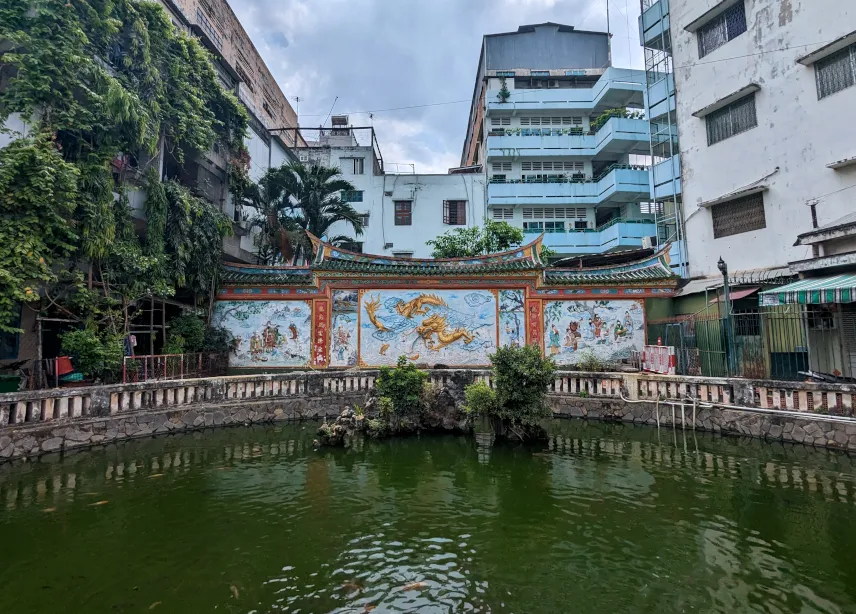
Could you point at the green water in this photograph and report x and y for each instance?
(604, 519)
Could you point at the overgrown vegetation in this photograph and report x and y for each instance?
(516, 404)
(503, 94)
(109, 91)
(491, 238)
(621, 112)
(97, 356)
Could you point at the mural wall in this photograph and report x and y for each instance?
(267, 333)
(343, 334)
(512, 318)
(449, 327)
(608, 329)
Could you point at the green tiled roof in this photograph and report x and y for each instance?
(655, 268)
(274, 276)
(425, 268)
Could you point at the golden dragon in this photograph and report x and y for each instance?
(417, 306)
(371, 309)
(436, 325)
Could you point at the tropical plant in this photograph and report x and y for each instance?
(587, 360)
(94, 355)
(517, 401)
(491, 238)
(402, 385)
(191, 330)
(295, 198)
(503, 94)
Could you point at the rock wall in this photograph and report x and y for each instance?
(29, 441)
(833, 432)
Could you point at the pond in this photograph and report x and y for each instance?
(604, 518)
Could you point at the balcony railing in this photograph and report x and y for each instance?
(572, 178)
(602, 227)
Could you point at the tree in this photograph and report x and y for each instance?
(296, 198)
(493, 237)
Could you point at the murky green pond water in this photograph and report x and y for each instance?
(606, 519)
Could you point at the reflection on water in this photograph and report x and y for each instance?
(602, 518)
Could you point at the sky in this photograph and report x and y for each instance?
(383, 54)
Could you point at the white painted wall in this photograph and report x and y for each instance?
(380, 191)
(796, 132)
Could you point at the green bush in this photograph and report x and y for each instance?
(190, 329)
(94, 356)
(480, 399)
(402, 385)
(217, 340)
(588, 361)
(521, 376)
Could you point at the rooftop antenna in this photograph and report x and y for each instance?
(297, 109)
(331, 110)
(608, 35)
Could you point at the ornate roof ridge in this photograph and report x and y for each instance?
(662, 257)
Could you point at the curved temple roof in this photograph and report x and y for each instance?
(331, 261)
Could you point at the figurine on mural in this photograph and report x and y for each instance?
(609, 329)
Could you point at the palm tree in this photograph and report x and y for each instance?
(294, 198)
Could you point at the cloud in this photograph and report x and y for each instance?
(382, 54)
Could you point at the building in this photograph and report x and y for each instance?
(400, 211)
(557, 132)
(242, 70)
(757, 91)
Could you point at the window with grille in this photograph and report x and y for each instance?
(364, 219)
(503, 213)
(721, 29)
(738, 216)
(499, 167)
(836, 72)
(352, 196)
(455, 212)
(403, 254)
(544, 227)
(504, 73)
(737, 117)
(500, 121)
(403, 213)
(540, 213)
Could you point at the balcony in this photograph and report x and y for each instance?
(616, 88)
(617, 137)
(667, 178)
(617, 234)
(654, 23)
(621, 184)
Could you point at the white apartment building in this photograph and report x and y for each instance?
(400, 211)
(553, 162)
(762, 100)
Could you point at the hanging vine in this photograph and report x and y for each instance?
(97, 81)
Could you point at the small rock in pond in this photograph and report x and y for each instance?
(234, 590)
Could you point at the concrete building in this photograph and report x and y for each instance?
(763, 92)
(400, 211)
(556, 131)
(242, 70)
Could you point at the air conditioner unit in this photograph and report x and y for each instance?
(387, 193)
(649, 242)
(387, 245)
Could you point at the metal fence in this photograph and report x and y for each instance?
(764, 344)
(173, 366)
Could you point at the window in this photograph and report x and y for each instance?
(364, 219)
(504, 73)
(540, 213)
(455, 212)
(404, 213)
(721, 29)
(580, 225)
(403, 254)
(500, 121)
(499, 167)
(503, 213)
(355, 166)
(540, 73)
(836, 72)
(737, 117)
(738, 216)
(533, 227)
(352, 196)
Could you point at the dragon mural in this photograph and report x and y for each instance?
(449, 326)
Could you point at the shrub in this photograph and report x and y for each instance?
(217, 340)
(402, 385)
(521, 376)
(191, 329)
(588, 361)
(480, 399)
(94, 356)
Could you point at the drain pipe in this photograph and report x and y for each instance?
(753, 410)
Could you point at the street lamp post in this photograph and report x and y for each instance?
(729, 328)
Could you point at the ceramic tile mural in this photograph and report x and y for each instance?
(267, 333)
(512, 318)
(609, 329)
(449, 327)
(343, 334)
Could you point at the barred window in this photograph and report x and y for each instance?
(503, 213)
(721, 29)
(352, 196)
(403, 212)
(836, 72)
(737, 117)
(455, 212)
(738, 216)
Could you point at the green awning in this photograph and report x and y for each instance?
(837, 289)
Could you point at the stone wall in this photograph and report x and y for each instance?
(831, 432)
(36, 439)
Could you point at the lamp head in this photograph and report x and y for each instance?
(723, 268)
